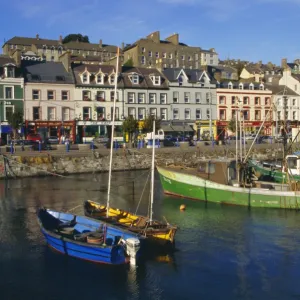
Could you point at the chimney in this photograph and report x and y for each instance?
(174, 39)
(100, 43)
(284, 63)
(123, 46)
(37, 37)
(154, 36)
(60, 39)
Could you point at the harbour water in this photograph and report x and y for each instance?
(222, 251)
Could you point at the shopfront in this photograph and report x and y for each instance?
(86, 131)
(52, 128)
(204, 129)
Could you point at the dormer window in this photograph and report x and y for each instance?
(52, 50)
(230, 86)
(100, 78)
(251, 86)
(261, 86)
(59, 50)
(134, 78)
(241, 86)
(84, 78)
(155, 80)
(112, 79)
(9, 71)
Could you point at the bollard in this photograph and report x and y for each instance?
(92, 145)
(116, 145)
(67, 146)
(138, 144)
(40, 146)
(142, 144)
(11, 148)
(177, 143)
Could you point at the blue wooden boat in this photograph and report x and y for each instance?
(88, 239)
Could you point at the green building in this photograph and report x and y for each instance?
(11, 94)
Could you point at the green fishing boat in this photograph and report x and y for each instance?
(216, 182)
(270, 172)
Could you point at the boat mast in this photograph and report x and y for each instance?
(112, 135)
(284, 126)
(152, 172)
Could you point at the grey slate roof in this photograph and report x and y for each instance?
(192, 74)
(5, 59)
(18, 40)
(47, 72)
(90, 47)
(280, 90)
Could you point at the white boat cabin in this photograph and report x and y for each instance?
(293, 164)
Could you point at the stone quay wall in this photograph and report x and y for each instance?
(59, 162)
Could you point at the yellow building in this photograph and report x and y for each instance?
(203, 130)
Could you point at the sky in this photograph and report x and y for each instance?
(254, 30)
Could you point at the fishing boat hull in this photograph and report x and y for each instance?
(158, 233)
(197, 188)
(76, 240)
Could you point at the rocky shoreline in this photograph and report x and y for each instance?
(25, 164)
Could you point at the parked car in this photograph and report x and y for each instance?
(52, 140)
(34, 137)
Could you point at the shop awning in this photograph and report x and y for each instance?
(176, 128)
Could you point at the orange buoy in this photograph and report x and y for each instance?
(182, 207)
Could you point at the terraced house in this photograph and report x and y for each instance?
(140, 91)
(170, 53)
(11, 93)
(51, 50)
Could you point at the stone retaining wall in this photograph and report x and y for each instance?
(98, 161)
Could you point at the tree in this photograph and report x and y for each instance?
(128, 63)
(73, 37)
(232, 125)
(130, 126)
(148, 123)
(15, 120)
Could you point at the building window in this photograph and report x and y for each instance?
(141, 113)
(279, 115)
(150, 53)
(36, 94)
(9, 110)
(208, 113)
(294, 115)
(86, 113)
(222, 100)
(189, 58)
(112, 96)
(257, 115)
(65, 113)
(50, 95)
(232, 100)
(52, 58)
(182, 57)
(64, 95)
(233, 114)
(86, 95)
(164, 55)
(153, 112)
(134, 78)
(152, 98)
(163, 98)
(143, 60)
(51, 114)
(59, 51)
(116, 112)
(10, 72)
(8, 92)
(84, 78)
(257, 100)
(198, 114)
(100, 113)
(175, 97)
(176, 114)
(157, 54)
(141, 98)
(246, 100)
(198, 97)
(267, 101)
(131, 98)
(294, 102)
(112, 79)
(207, 98)
(170, 55)
(36, 113)
(222, 114)
(100, 78)
(187, 114)
(155, 80)
(100, 96)
(187, 97)
(246, 115)
(143, 49)
(131, 112)
(163, 114)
